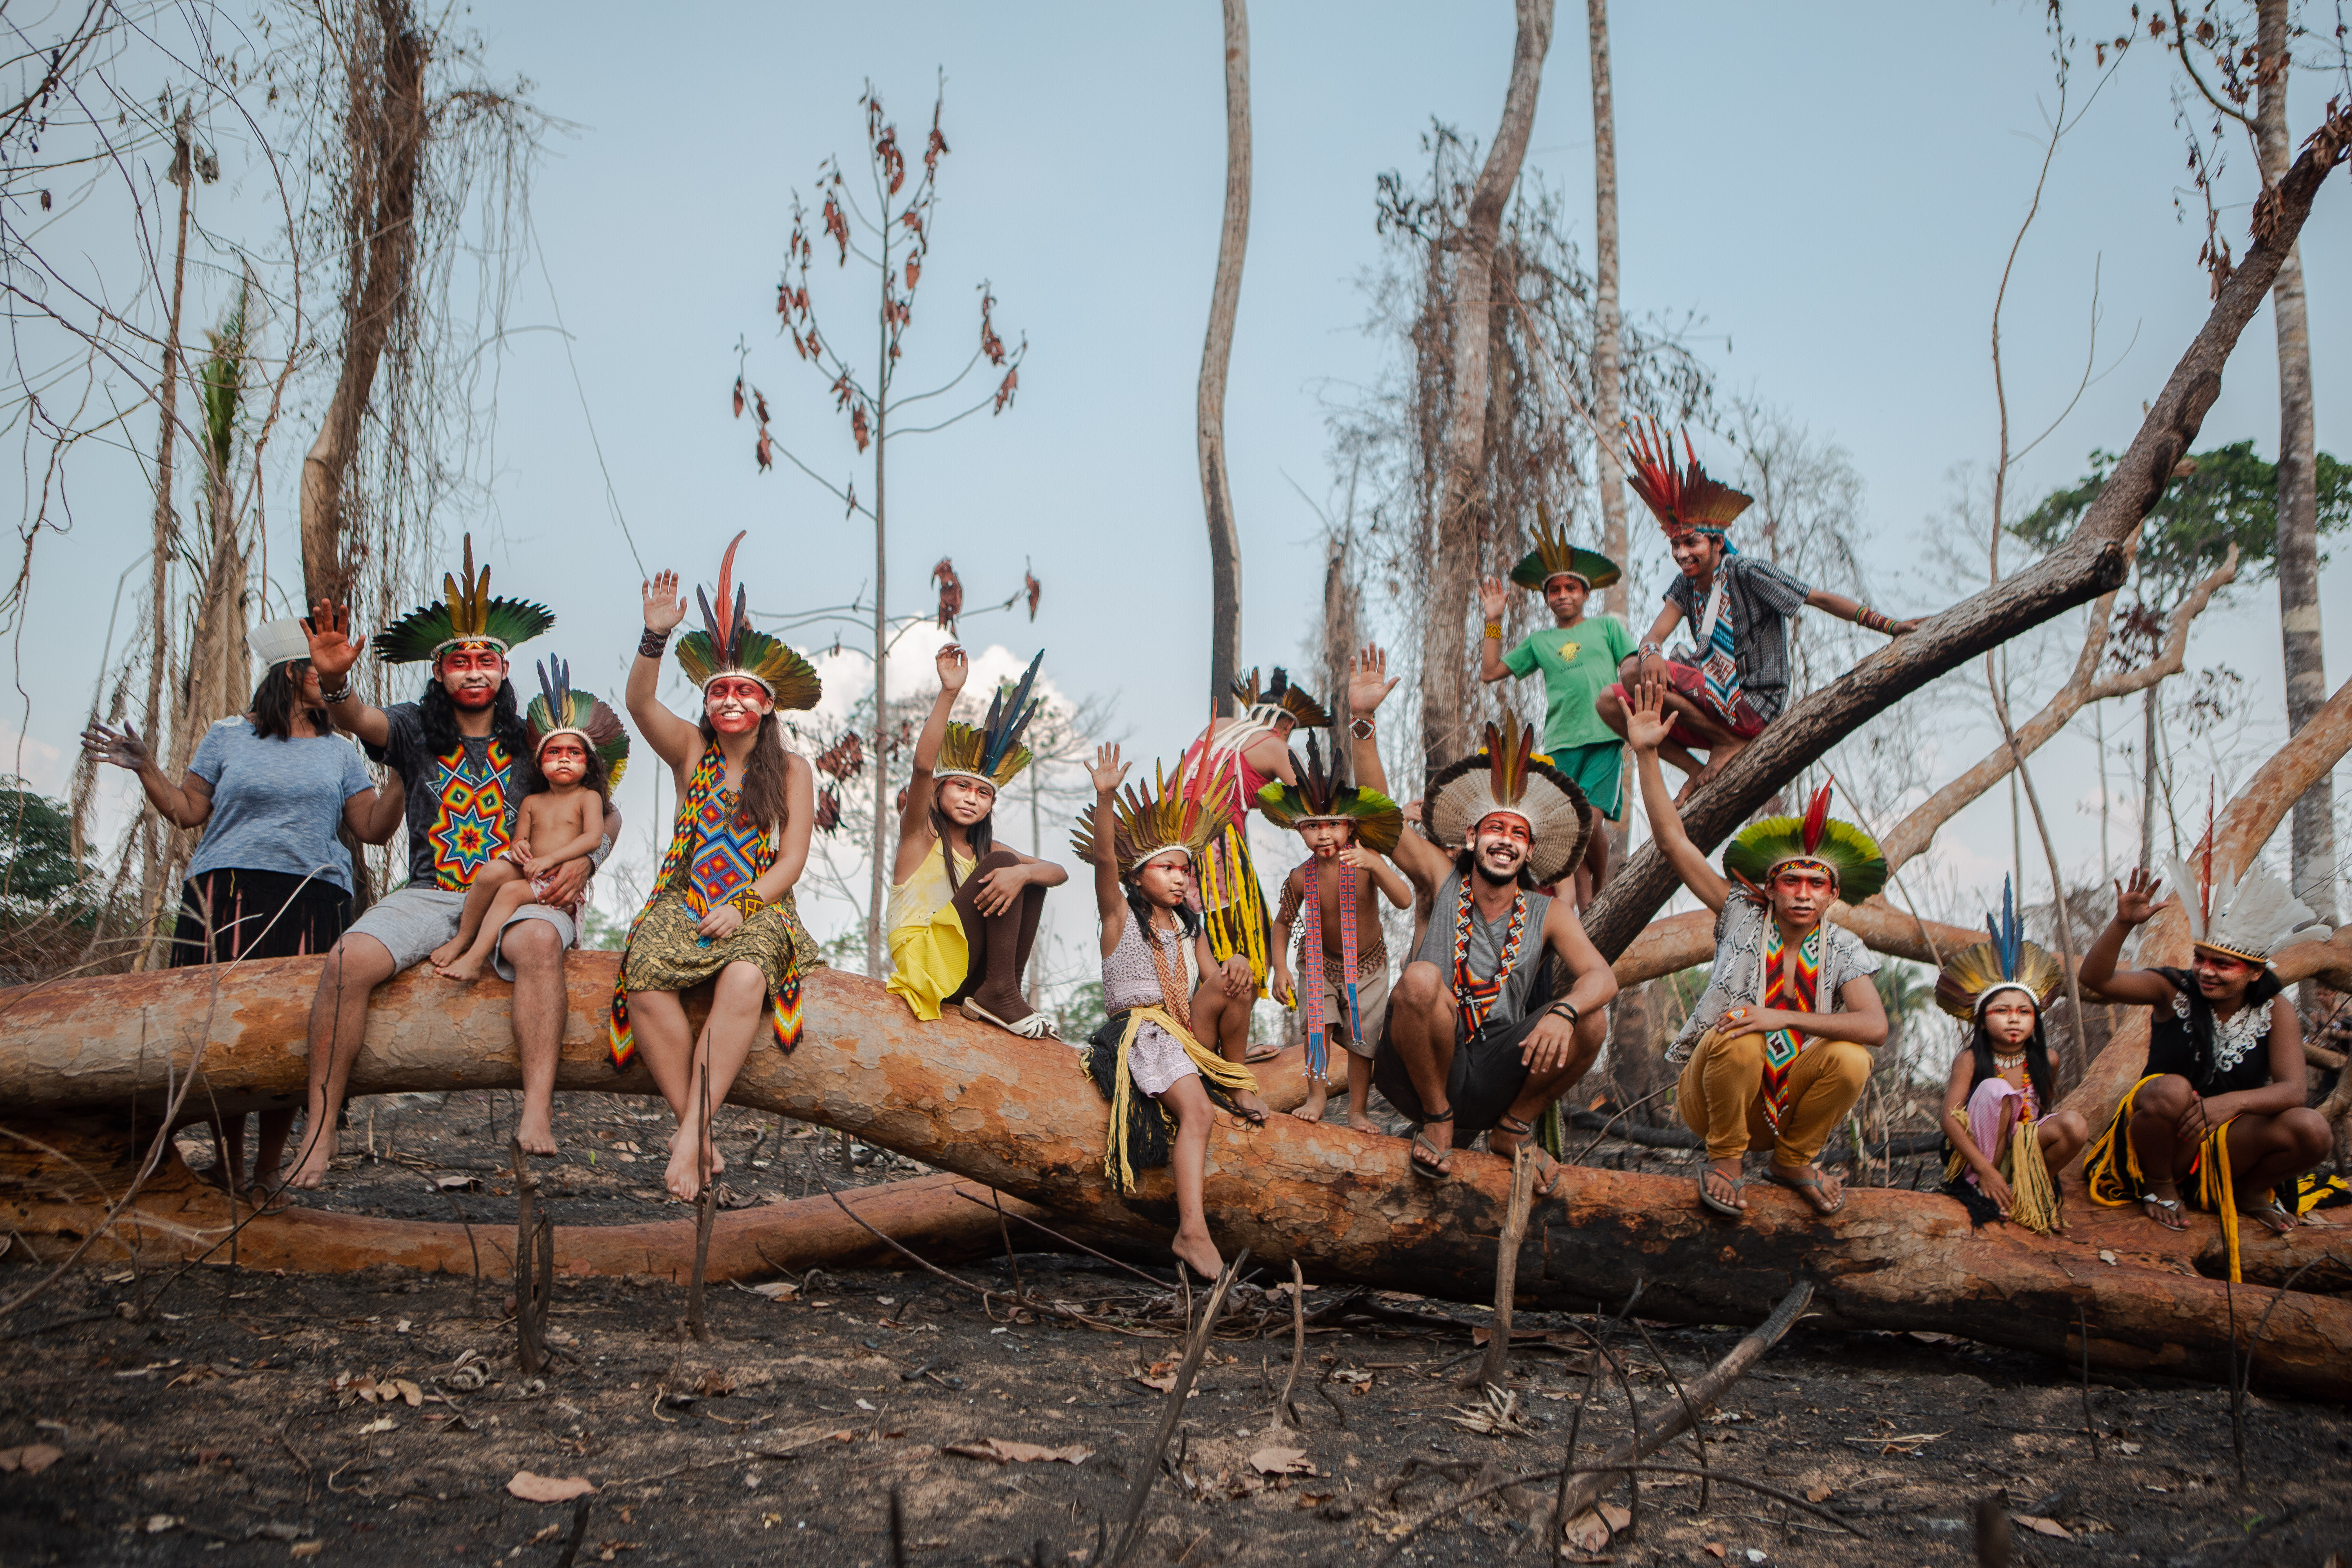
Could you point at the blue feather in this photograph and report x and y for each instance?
(2008, 937)
(1000, 735)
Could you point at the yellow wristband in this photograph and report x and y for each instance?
(1495, 630)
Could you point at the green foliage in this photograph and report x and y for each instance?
(37, 866)
(1082, 1014)
(2231, 498)
(1905, 989)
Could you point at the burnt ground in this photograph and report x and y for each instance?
(219, 1416)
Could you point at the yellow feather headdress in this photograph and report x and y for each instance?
(467, 613)
(1975, 975)
(1149, 824)
(993, 753)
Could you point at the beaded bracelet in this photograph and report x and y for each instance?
(1495, 630)
(1871, 620)
(339, 694)
(652, 644)
(747, 903)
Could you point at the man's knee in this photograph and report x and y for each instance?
(531, 946)
(1844, 1065)
(1738, 1050)
(357, 963)
(1417, 988)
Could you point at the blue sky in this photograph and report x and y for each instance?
(1831, 189)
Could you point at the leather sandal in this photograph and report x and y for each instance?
(1806, 1187)
(1707, 1200)
(1437, 1166)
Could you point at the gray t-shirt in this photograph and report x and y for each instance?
(461, 806)
(1485, 954)
(276, 802)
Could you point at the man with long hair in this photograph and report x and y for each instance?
(1479, 1036)
(455, 750)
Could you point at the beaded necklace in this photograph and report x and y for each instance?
(1474, 998)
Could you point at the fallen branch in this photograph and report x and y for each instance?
(1496, 1363)
(1139, 1491)
(1284, 1410)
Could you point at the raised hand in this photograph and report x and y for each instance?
(123, 748)
(1107, 770)
(1492, 598)
(2136, 899)
(1370, 684)
(1647, 725)
(664, 605)
(333, 650)
(953, 667)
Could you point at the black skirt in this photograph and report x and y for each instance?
(233, 913)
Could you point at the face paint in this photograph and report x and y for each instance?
(965, 800)
(472, 673)
(1326, 839)
(735, 704)
(563, 759)
(2009, 1018)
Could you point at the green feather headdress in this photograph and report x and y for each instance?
(562, 709)
(1280, 700)
(1508, 774)
(1554, 556)
(1851, 855)
(467, 613)
(1320, 797)
(994, 752)
(1150, 824)
(730, 647)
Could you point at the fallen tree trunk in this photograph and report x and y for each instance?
(1019, 1116)
(2091, 561)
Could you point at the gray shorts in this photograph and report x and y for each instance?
(412, 922)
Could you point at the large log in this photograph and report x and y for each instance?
(1019, 1116)
(2091, 561)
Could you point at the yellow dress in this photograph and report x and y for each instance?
(928, 955)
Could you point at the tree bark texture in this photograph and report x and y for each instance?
(1462, 502)
(2313, 873)
(2092, 562)
(388, 127)
(1216, 355)
(1019, 1116)
(1608, 327)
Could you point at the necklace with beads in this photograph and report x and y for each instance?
(2007, 1063)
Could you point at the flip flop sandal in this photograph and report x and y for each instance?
(1431, 1168)
(1799, 1184)
(1707, 1200)
(1257, 1054)
(2274, 1210)
(1035, 1026)
(1510, 1127)
(2170, 1205)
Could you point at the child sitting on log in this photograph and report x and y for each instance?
(1999, 1109)
(2221, 1100)
(1145, 1058)
(578, 750)
(1349, 830)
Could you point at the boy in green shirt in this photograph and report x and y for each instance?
(1578, 656)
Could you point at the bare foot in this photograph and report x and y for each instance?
(311, 1173)
(1253, 1108)
(1697, 782)
(446, 952)
(2163, 1208)
(1198, 1252)
(267, 1195)
(468, 968)
(1361, 1119)
(683, 1178)
(1311, 1108)
(534, 1131)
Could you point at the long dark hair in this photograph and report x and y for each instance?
(761, 791)
(2037, 1063)
(438, 716)
(595, 778)
(981, 835)
(1466, 865)
(278, 697)
(2259, 991)
(1188, 921)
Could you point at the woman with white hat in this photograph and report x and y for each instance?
(270, 879)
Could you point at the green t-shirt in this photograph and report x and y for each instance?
(1578, 663)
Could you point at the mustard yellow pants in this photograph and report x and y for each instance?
(1722, 1096)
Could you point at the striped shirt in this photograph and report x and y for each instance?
(1757, 598)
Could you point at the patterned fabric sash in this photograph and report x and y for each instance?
(1173, 996)
(1716, 653)
(1781, 1045)
(1474, 998)
(712, 859)
(1318, 1054)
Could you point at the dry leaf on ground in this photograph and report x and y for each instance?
(1005, 1450)
(549, 1488)
(1272, 1461)
(1588, 1532)
(307, 1549)
(1615, 1518)
(544, 1536)
(32, 1458)
(777, 1289)
(1715, 1549)
(2040, 1526)
(1817, 1494)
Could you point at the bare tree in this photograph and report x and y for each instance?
(1216, 354)
(1607, 326)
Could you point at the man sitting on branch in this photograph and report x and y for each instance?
(1475, 1037)
(1779, 1047)
(1720, 695)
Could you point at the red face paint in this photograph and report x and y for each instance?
(472, 673)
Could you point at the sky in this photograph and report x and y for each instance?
(1828, 192)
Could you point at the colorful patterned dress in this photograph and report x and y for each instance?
(714, 858)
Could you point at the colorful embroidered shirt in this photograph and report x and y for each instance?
(1787, 988)
(461, 805)
(1758, 600)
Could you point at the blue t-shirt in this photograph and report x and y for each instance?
(276, 802)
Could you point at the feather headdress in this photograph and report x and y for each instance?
(2249, 917)
(562, 709)
(1149, 825)
(1320, 797)
(1855, 861)
(467, 613)
(1279, 699)
(993, 753)
(1554, 556)
(727, 646)
(273, 643)
(1681, 498)
(1508, 774)
(1975, 975)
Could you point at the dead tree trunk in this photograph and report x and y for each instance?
(2313, 873)
(388, 127)
(1462, 500)
(1216, 354)
(1013, 1114)
(1608, 327)
(2092, 562)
